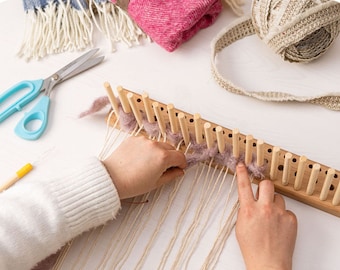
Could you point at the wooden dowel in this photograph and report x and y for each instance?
(208, 135)
(249, 149)
(313, 178)
(327, 184)
(236, 143)
(336, 197)
(259, 153)
(275, 163)
(160, 120)
(300, 172)
(286, 169)
(220, 139)
(198, 128)
(148, 108)
(184, 128)
(172, 118)
(112, 97)
(135, 109)
(123, 100)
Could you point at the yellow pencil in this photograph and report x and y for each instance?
(18, 175)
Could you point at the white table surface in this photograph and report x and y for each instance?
(183, 78)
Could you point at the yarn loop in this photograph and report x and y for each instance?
(298, 30)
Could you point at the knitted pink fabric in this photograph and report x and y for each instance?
(172, 22)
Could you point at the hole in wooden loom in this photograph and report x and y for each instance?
(310, 166)
(294, 160)
(331, 187)
(266, 161)
(162, 109)
(335, 176)
(139, 100)
(254, 144)
(230, 135)
(295, 173)
(191, 120)
(176, 114)
(280, 167)
(214, 129)
(269, 150)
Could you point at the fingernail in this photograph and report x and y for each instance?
(240, 165)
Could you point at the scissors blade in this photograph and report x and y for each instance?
(71, 67)
(87, 65)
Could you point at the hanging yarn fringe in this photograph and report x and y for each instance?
(116, 23)
(56, 26)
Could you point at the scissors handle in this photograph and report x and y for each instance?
(38, 113)
(34, 90)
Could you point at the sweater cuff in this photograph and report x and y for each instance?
(87, 197)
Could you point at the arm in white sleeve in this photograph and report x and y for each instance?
(39, 217)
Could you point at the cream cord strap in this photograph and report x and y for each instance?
(247, 26)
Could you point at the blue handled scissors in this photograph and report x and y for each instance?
(40, 111)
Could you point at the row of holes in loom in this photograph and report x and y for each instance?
(230, 135)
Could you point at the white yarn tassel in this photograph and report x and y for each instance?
(55, 29)
(116, 24)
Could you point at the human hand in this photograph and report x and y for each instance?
(265, 230)
(139, 165)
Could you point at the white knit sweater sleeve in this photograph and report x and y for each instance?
(39, 217)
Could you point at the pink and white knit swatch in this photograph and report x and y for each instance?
(172, 22)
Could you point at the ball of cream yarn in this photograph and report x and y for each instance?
(298, 30)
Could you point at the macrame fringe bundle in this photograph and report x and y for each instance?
(56, 26)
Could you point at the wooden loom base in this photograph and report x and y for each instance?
(285, 189)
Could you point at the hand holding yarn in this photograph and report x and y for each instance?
(140, 165)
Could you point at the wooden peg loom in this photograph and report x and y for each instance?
(294, 176)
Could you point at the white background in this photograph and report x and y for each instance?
(184, 79)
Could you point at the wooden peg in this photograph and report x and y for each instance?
(135, 109)
(123, 99)
(300, 172)
(220, 139)
(148, 108)
(208, 135)
(111, 96)
(336, 197)
(313, 178)
(198, 128)
(236, 143)
(327, 184)
(275, 163)
(259, 153)
(184, 128)
(172, 118)
(249, 149)
(286, 169)
(160, 120)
